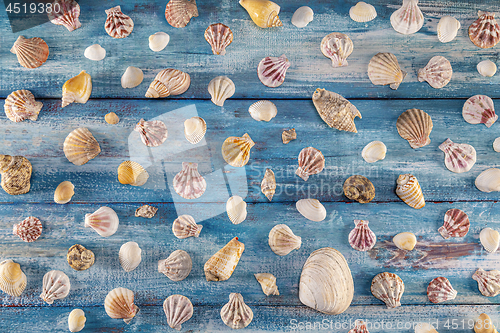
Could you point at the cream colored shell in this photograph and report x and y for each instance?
(488, 180)
(177, 266)
(221, 88)
(282, 240)
(383, 69)
(80, 146)
(408, 19)
(119, 304)
(424, 328)
(490, 239)
(132, 77)
(195, 129)
(236, 209)
(311, 209)
(178, 309)
(236, 150)
(374, 151)
(77, 89)
(158, 41)
(76, 320)
(130, 256)
(111, 118)
(405, 241)
(130, 172)
(12, 279)
(263, 110)
(56, 285)
(64, 192)
(362, 12)
(447, 29)
(268, 283)
(487, 68)
(221, 265)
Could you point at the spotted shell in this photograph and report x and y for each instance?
(169, 82)
(488, 282)
(456, 224)
(21, 105)
(359, 188)
(188, 183)
(219, 36)
(118, 25)
(222, 264)
(458, 158)
(389, 288)
(65, 13)
(361, 238)
(79, 258)
(184, 226)
(178, 310)
(440, 290)
(311, 162)
(485, 31)
(337, 47)
(56, 285)
(80, 146)
(479, 109)
(384, 69)
(272, 70)
(437, 72)
(415, 126)
(119, 304)
(236, 150)
(30, 52)
(153, 133)
(335, 110)
(29, 229)
(179, 12)
(16, 174)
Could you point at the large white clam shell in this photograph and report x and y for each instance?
(221, 88)
(76, 320)
(95, 52)
(178, 310)
(362, 12)
(479, 109)
(130, 256)
(119, 304)
(132, 77)
(490, 239)
(177, 266)
(447, 29)
(389, 288)
(195, 129)
(236, 209)
(158, 41)
(488, 180)
(311, 209)
(222, 264)
(56, 285)
(374, 151)
(408, 19)
(12, 279)
(263, 110)
(302, 16)
(236, 314)
(282, 240)
(487, 68)
(458, 157)
(104, 221)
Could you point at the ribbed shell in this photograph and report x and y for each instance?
(236, 314)
(272, 70)
(311, 209)
(77, 89)
(188, 183)
(440, 290)
(219, 36)
(437, 72)
(458, 157)
(177, 266)
(362, 12)
(236, 209)
(178, 310)
(384, 69)
(118, 25)
(456, 224)
(288, 135)
(221, 265)
(485, 31)
(490, 239)
(132, 173)
(408, 189)
(12, 279)
(119, 304)
(335, 110)
(169, 82)
(21, 105)
(236, 150)
(179, 12)
(374, 151)
(361, 237)
(30, 52)
(389, 288)
(415, 126)
(268, 283)
(447, 29)
(130, 256)
(104, 221)
(67, 14)
(153, 133)
(146, 211)
(263, 110)
(56, 285)
(282, 240)
(337, 47)
(359, 188)
(488, 180)
(184, 226)
(195, 129)
(311, 162)
(29, 229)
(263, 13)
(488, 282)
(359, 327)
(221, 88)
(16, 174)
(268, 184)
(479, 109)
(80, 146)
(64, 192)
(408, 19)
(79, 258)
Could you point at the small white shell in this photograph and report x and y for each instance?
(56, 285)
(374, 151)
(447, 29)
(104, 221)
(263, 110)
(236, 209)
(488, 180)
(195, 129)
(132, 77)
(130, 256)
(496, 145)
(158, 41)
(268, 283)
(302, 16)
(282, 240)
(178, 310)
(490, 239)
(362, 12)
(221, 88)
(76, 320)
(405, 241)
(311, 209)
(487, 68)
(95, 52)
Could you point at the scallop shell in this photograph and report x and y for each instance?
(168, 82)
(335, 110)
(484, 324)
(456, 224)
(118, 25)
(64, 192)
(440, 290)
(359, 188)
(179, 12)
(488, 282)
(66, 13)
(268, 283)
(409, 191)
(104, 221)
(458, 157)
(408, 19)
(302, 16)
(282, 240)
(178, 310)
(405, 241)
(153, 133)
(490, 239)
(362, 12)
(177, 266)
(268, 184)
(479, 109)
(484, 32)
(487, 68)
(80, 146)
(415, 126)
(77, 89)
(437, 72)
(56, 285)
(221, 88)
(12, 279)
(30, 52)
(16, 174)
(79, 258)
(132, 173)
(76, 320)
(219, 36)
(374, 151)
(236, 314)
(263, 110)
(264, 13)
(424, 328)
(158, 41)
(95, 52)
(326, 283)
(361, 237)
(388, 287)
(195, 129)
(311, 209)
(132, 77)
(221, 265)
(236, 150)
(272, 70)
(337, 47)
(447, 29)
(288, 135)
(119, 304)
(488, 180)
(146, 211)
(188, 183)
(236, 209)
(130, 256)
(111, 118)
(384, 69)
(359, 327)
(184, 226)
(21, 105)
(311, 162)
(29, 229)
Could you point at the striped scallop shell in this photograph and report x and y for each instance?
(479, 109)
(488, 180)
(488, 282)
(311, 209)
(456, 224)
(188, 183)
(437, 72)
(16, 174)
(30, 52)
(222, 264)
(362, 12)
(337, 47)
(415, 126)
(29, 229)
(12, 279)
(21, 105)
(447, 29)
(67, 14)
(335, 110)
(268, 283)
(178, 310)
(440, 290)
(485, 31)
(179, 12)
(409, 191)
(408, 19)
(221, 88)
(104, 221)
(169, 82)
(263, 110)
(282, 240)
(119, 304)
(80, 146)
(153, 133)
(361, 237)
(236, 209)
(177, 266)
(132, 173)
(236, 150)
(130, 256)
(272, 70)
(311, 162)
(56, 285)
(118, 25)
(236, 314)
(219, 36)
(184, 226)
(195, 129)
(268, 184)
(389, 288)
(458, 157)
(359, 327)
(384, 69)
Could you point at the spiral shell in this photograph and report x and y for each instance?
(490, 239)
(415, 126)
(178, 310)
(16, 174)
(30, 52)
(104, 221)
(177, 266)
(311, 162)
(221, 88)
(282, 240)
(337, 47)
(12, 279)
(77, 89)
(272, 70)
(195, 129)
(374, 151)
(361, 237)
(311, 209)
(188, 183)
(153, 133)
(447, 29)
(479, 109)
(440, 290)
(64, 192)
(119, 304)
(29, 229)
(288, 135)
(179, 12)
(437, 72)
(408, 189)
(335, 110)
(264, 13)
(21, 105)
(268, 184)
(221, 265)
(384, 69)
(268, 283)
(219, 36)
(456, 224)
(408, 19)
(76, 320)
(263, 110)
(485, 31)
(118, 25)
(488, 180)
(56, 285)
(169, 82)
(184, 226)
(389, 288)
(236, 150)
(79, 258)
(359, 188)
(488, 282)
(362, 12)
(66, 15)
(236, 209)
(458, 157)
(132, 173)
(130, 256)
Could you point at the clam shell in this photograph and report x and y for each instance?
(384, 69)
(456, 224)
(119, 304)
(408, 189)
(359, 327)
(282, 240)
(178, 310)
(458, 157)
(311, 162)
(132, 173)
(361, 237)
(288, 135)
(236, 314)
(118, 25)
(490, 239)
(335, 110)
(130, 256)
(437, 72)
(424, 328)
(440, 290)
(221, 88)
(374, 151)
(488, 282)
(337, 47)
(405, 241)
(79, 258)
(311, 209)
(221, 265)
(479, 109)
(408, 19)
(146, 211)
(184, 226)
(95, 52)
(219, 36)
(487, 68)
(302, 16)
(65, 13)
(111, 118)
(77, 89)
(389, 288)
(359, 188)
(272, 70)
(488, 180)
(104, 221)
(236, 209)
(21, 105)
(195, 129)
(30, 52)
(415, 126)
(153, 133)
(236, 150)
(447, 29)
(64, 192)
(263, 110)
(177, 266)
(362, 12)
(179, 12)
(132, 77)
(188, 183)
(80, 146)
(158, 41)
(29, 229)
(76, 320)
(12, 279)
(268, 283)
(16, 174)
(169, 82)
(56, 285)
(268, 184)
(485, 31)
(484, 324)
(496, 145)
(264, 13)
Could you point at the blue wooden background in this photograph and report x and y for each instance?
(96, 182)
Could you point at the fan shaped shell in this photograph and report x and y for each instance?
(29, 229)
(415, 126)
(77, 89)
(288, 135)
(132, 173)
(169, 82)
(104, 221)
(95, 52)
(12, 279)
(195, 129)
(282, 240)
(456, 224)
(359, 188)
(361, 237)
(488, 180)
(263, 110)
(272, 70)
(16, 174)
(485, 31)
(362, 12)
(177, 266)
(335, 110)
(268, 184)
(130, 256)
(383, 69)
(236, 314)
(178, 310)
(21, 105)
(179, 12)
(359, 327)
(479, 109)
(30, 52)
(437, 72)
(302, 16)
(236, 209)
(79, 258)
(264, 13)
(132, 77)
(56, 285)
(447, 29)
(490, 239)
(311, 209)
(221, 88)
(408, 189)
(488, 282)
(458, 157)
(408, 19)
(64, 192)
(219, 36)
(188, 183)
(184, 226)
(221, 265)
(337, 47)
(268, 283)
(236, 150)
(311, 162)
(118, 25)
(440, 290)
(80, 146)
(153, 133)
(389, 288)
(65, 13)
(374, 151)
(119, 304)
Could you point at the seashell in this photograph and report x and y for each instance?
(388, 287)
(118, 25)
(119, 304)
(447, 29)
(153, 133)
(130, 256)
(302, 16)
(195, 129)
(282, 240)
(488, 282)
(146, 211)
(408, 19)
(408, 189)
(132, 173)
(337, 47)
(95, 52)
(236, 314)
(168, 82)
(221, 265)
(21, 105)
(29, 229)
(79, 258)
(263, 110)
(56, 285)
(490, 239)
(484, 32)
(496, 145)
(236, 150)
(76, 320)
(219, 36)
(80, 146)
(178, 310)
(184, 226)
(158, 41)
(111, 118)
(488, 180)
(479, 109)
(221, 88)
(415, 126)
(458, 157)
(487, 68)
(484, 324)
(374, 151)
(177, 266)
(16, 174)
(361, 237)
(179, 12)
(359, 327)
(30, 52)
(359, 188)
(236, 209)
(326, 283)
(424, 328)
(335, 110)
(288, 135)
(272, 70)
(437, 72)
(66, 13)
(132, 77)
(311, 209)
(77, 89)
(383, 69)
(12, 279)
(268, 184)
(405, 241)
(362, 12)
(456, 224)
(104, 221)
(440, 290)
(268, 283)
(264, 13)
(311, 162)
(188, 183)
(64, 192)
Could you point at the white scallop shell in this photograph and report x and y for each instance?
(389, 288)
(188, 183)
(76, 320)
(130, 256)
(178, 310)
(119, 304)
(374, 151)
(496, 145)
(362, 12)
(408, 19)
(195, 129)
(447, 29)
(488, 180)
(104, 221)
(311, 209)
(487, 68)
(488, 282)
(236, 209)
(302, 16)
(12, 279)
(221, 88)
(158, 41)
(263, 110)
(185, 226)
(337, 47)
(95, 52)
(479, 109)
(490, 239)
(56, 285)
(405, 241)
(282, 240)
(236, 314)
(132, 77)
(458, 157)
(437, 72)
(177, 266)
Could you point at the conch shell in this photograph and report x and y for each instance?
(21, 105)
(16, 174)
(132, 173)
(268, 184)
(384, 69)
(335, 110)
(264, 13)
(77, 89)
(179, 12)
(80, 146)
(409, 191)
(30, 52)
(236, 150)
(169, 82)
(119, 304)
(221, 265)
(12, 279)
(268, 283)
(415, 126)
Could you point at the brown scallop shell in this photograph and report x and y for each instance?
(359, 188)
(21, 105)
(311, 162)
(219, 36)
(485, 31)
(118, 25)
(30, 52)
(415, 126)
